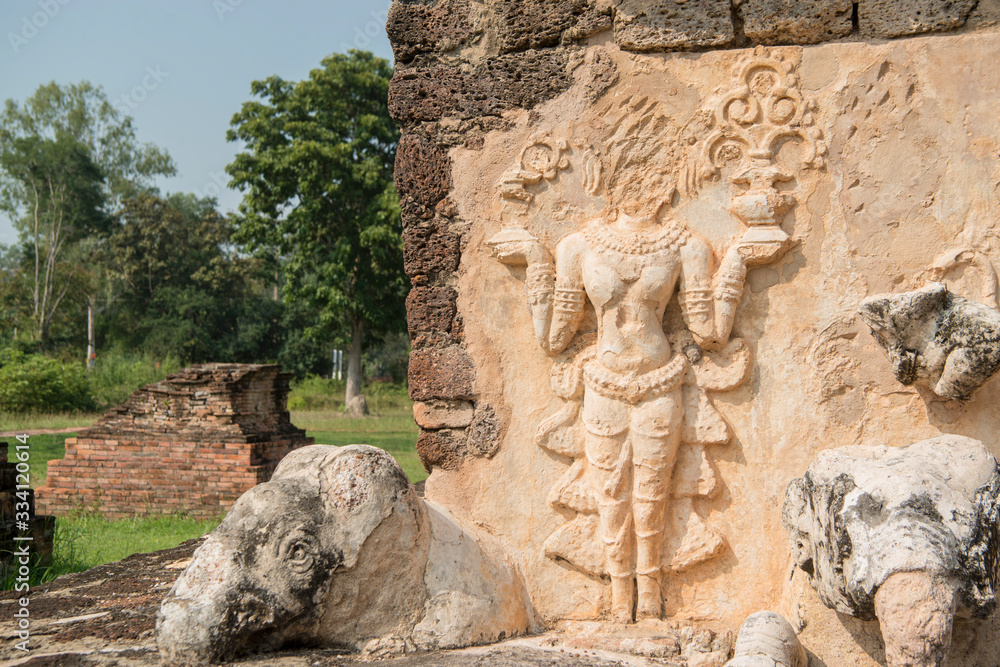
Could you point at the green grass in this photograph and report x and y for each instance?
(86, 539)
(393, 431)
(42, 448)
(32, 422)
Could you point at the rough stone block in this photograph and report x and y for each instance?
(894, 18)
(441, 373)
(445, 449)
(416, 28)
(430, 314)
(429, 248)
(796, 21)
(516, 80)
(423, 173)
(442, 414)
(528, 24)
(663, 25)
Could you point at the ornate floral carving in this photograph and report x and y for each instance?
(742, 129)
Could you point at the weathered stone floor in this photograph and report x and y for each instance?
(105, 616)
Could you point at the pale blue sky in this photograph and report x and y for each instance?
(191, 61)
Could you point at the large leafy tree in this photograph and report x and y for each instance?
(62, 201)
(82, 111)
(181, 288)
(317, 181)
(67, 158)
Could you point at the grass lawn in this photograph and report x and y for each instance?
(85, 540)
(392, 430)
(18, 423)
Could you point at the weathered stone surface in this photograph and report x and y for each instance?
(517, 80)
(486, 431)
(429, 248)
(418, 27)
(864, 513)
(916, 611)
(885, 156)
(445, 373)
(445, 448)
(430, 315)
(935, 338)
(767, 640)
(796, 21)
(655, 25)
(422, 174)
(528, 24)
(442, 414)
(895, 18)
(337, 549)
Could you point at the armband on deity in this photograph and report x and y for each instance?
(729, 287)
(541, 280)
(697, 302)
(568, 299)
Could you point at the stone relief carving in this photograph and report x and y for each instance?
(933, 337)
(906, 535)
(638, 416)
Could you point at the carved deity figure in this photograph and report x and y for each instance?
(629, 263)
(637, 441)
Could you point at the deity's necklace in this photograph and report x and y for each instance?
(669, 235)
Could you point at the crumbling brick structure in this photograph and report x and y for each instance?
(192, 443)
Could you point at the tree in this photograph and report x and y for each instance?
(61, 191)
(317, 186)
(83, 112)
(67, 158)
(182, 289)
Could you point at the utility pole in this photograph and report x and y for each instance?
(91, 354)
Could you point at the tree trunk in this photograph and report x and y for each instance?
(353, 399)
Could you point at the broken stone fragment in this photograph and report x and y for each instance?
(767, 640)
(947, 342)
(905, 535)
(338, 550)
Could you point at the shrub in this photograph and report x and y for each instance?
(117, 373)
(316, 393)
(35, 383)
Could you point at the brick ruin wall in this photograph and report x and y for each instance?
(460, 64)
(192, 443)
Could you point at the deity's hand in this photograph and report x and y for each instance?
(518, 252)
(758, 252)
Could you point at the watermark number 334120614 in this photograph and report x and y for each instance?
(21, 563)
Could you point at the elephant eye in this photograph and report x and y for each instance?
(299, 553)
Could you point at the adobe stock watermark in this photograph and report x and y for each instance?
(219, 184)
(363, 35)
(133, 98)
(31, 25)
(223, 7)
